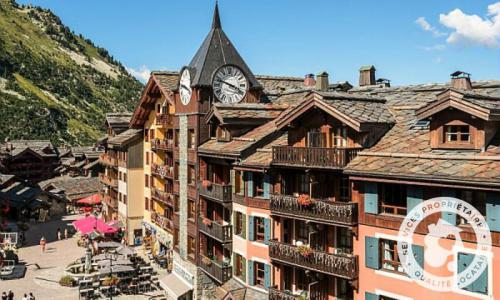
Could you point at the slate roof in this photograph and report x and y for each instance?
(125, 137)
(166, 80)
(44, 148)
(215, 51)
(405, 152)
(244, 112)
(118, 121)
(278, 84)
(74, 188)
(262, 157)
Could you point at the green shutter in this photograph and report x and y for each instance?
(267, 230)
(464, 260)
(234, 222)
(267, 275)
(267, 186)
(244, 226)
(251, 278)
(372, 260)
(414, 196)
(418, 253)
(233, 181)
(371, 296)
(493, 211)
(249, 184)
(244, 273)
(234, 264)
(449, 216)
(371, 198)
(251, 235)
(480, 285)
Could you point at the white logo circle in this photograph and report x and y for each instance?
(435, 255)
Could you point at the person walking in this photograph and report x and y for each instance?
(4, 296)
(25, 297)
(58, 234)
(31, 297)
(10, 296)
(42, 243)
(66, 233)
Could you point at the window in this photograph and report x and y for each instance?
(176, 138)
(125, 199)
(239, 226)
(191, 139)
(146, 203)
(304, 184)
(259, 274)
(340, 137)
(394, 199)
(146, 180)
(152, 134)
(146, 135)
(344, 240)
(259, 229)
(191, 210)
(239, 183)
(258, 184)
(457, 134)
(301, 279)
(476, 198)
(176, 171)
(147, 158)
(389, 258)
(302, 231)
(191, 175)
(239, 267)
(344, 189)
(176, 203)
(158, 108)
(191, 246)
(480, 285)
(316, 138)
(125, 177)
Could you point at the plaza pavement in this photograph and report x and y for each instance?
(43, 281)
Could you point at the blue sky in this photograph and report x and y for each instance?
(296, 37)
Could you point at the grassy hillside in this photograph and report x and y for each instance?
(55, 84)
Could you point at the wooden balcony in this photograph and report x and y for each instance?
(320, 210)
(164, 119)
(162, 144)
(219, 271)
(110, 201)
(162, 221)
(108, 160)
(341, 265)
(275, 294)
(105, 179)
(222, 233)
(313, 157)
(164, 171)
(217, 192)
(165, 197)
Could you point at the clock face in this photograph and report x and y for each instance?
(229, 84)
(185, 87)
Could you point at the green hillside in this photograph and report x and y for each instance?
(55, 84)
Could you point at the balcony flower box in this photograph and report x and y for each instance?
(304, 200)
(206, 184)
(206, 261)
(305, 250)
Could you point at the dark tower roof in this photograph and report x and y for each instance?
(215, 51)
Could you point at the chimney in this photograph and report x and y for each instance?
(382, 82)
(367, 75)
(322, 81)
(460, 81)
(309, 80)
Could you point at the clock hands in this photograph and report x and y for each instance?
(185, 87)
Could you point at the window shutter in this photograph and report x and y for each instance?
(267, 275)
(234, 222)
(418, 253)
(371, 198)
(370, 296)
(267, 230)
(480, 285)
(267, 186)
(493, 211)
(251, 235)
(234, 264)
(414, 196)
(233, 181)
(449, 216)
(244, 271)
(250, 184)
(464, 260)
(244, 226)
(372, 260)
(251, 279)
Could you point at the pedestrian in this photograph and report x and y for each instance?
(42, 243)
(10, 296)
(25, 297)
(59, 234)
(32, 297)
(4, 296)
(66, 233)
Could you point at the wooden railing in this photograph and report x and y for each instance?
(313, 156)
(217, 270)
(163, 170)
(164, 119)
(163, 196)
(218, 192)
(275, 294)
(108, 180)
(322, 211)
(223, 233)
(162, 221)
(342, 265)
(162, 144)
(108, 160)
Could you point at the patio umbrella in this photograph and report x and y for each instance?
(91, 223)
(125, 250)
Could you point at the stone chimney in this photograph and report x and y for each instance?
(367, 75)
(322, 81)
(309, 80)
(460, 81)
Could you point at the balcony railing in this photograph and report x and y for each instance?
(163, 170)
(108, 160)
(217, 270)
(108, 180)
(163, 196)
(275, 294)
(162, 144)
(313, 156)
(222, 233)
(162, 221)
(110, 201)
(323, 211)
(341, 265)
(164, 119)
(217, 192)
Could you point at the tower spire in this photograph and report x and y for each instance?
(216, 21)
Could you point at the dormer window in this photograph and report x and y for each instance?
(459, 134)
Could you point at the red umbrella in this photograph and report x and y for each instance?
(90, 200)
(91, 223)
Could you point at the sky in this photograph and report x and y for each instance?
(408, 42)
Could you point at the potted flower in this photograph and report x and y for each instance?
(110, 281)
(304, 200)
(207, 261)
(206, 221)
(67, 281)
(206, 183)
(305, 250)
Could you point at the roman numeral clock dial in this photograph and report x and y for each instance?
(229, 84)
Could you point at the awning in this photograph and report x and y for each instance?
(175, 286)
(91, 223)
(90, 200)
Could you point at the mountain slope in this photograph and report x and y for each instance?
(55, 84)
